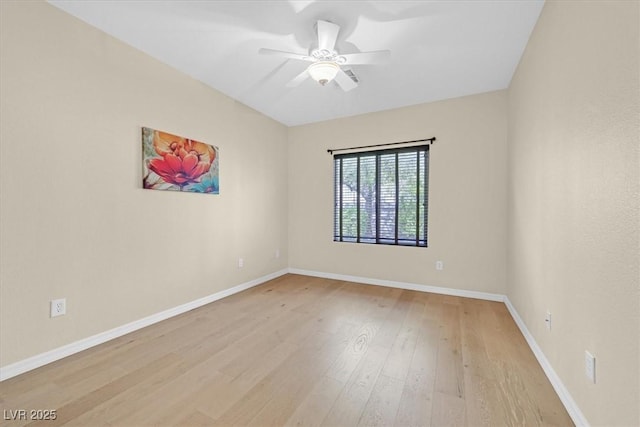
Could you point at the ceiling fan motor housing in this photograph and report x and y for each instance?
(327, 56)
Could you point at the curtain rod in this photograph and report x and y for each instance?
(431, 141)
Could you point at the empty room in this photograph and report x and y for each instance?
(402, 213)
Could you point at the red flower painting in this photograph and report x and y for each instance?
(180, 170)
(176, 163)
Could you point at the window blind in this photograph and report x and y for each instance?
(380, 196)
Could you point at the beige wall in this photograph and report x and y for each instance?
(573, 199)
(562, 198)
(75, 221)
(467, 195)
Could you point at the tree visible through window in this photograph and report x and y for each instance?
(381, 196)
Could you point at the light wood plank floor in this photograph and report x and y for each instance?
(303, 351)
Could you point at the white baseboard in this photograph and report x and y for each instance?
(572, 407)
(402, 285)
(42, 359)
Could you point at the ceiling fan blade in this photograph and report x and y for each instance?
(298, 79)
(344, 81)
(327, 35)
(375, 57)
(284, 54)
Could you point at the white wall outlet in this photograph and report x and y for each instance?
(590, 366)
(547, 320)
(439, 265)
(58, 307)
(277, 253)
(240, 262)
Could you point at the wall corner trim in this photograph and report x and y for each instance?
(565, 397)
(25, 365)
(22, 366)
(402, 285)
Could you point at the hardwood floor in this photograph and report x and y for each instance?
(303, 351)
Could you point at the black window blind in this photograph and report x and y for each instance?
(381, 196)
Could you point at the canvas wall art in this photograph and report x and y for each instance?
(175, 163)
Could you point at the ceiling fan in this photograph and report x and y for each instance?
(326, 62)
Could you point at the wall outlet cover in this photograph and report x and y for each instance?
(590, 366)
(58, 307)
(547, 320)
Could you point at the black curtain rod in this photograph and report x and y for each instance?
(431, 141)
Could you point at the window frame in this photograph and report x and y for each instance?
(422, 200)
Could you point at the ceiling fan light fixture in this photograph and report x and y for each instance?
(323, 71)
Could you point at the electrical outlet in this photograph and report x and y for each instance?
(439, 265)
(590, 366)
(277, 253)
(58, 307)
(240, 262)
(547, 320)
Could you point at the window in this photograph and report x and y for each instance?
(381, 196)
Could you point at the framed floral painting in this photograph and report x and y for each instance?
(171, 162)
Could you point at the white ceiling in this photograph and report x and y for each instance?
(439, 49)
